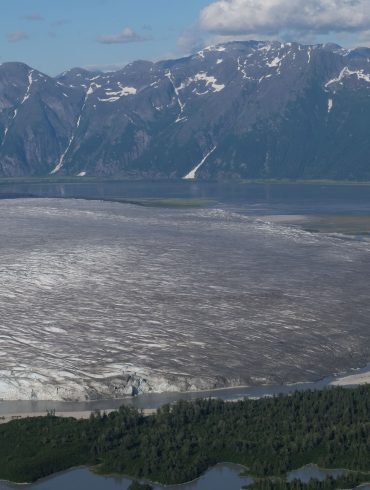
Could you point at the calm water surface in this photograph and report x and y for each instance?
(259, 198)
(221, 477)
(313, 472)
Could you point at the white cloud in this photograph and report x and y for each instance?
(106, 67)
(15, 37)
(33, 17)
(279, 17)
(190, 41)
(60, 22)
(128, 35)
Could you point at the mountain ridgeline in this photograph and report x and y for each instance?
(242, 110)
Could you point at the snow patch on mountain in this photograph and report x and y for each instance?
(202, 77)
(219, 49)
(275, 62)
(30, 82)
(242, 69)
(346, 73)
(25, 98)
(123, 91)
(176, 89)
(92, 88)
(192, 174)
(90, 91)
(210, 80)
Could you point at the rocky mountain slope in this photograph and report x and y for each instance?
(240, 110)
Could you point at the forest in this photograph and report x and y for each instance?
(269, 436)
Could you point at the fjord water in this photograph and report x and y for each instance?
(184, 298)
(272, 198)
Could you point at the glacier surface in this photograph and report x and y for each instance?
(104, 299)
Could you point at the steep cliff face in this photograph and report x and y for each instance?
(37, 116)
(242, 110)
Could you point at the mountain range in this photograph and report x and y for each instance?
(241, 110)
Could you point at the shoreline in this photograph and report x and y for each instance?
(78, 414)
(349, 379)
(99, 180)
(92, 469)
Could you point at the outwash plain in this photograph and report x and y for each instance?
(103, 299)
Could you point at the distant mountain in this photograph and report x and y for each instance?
(239, 110)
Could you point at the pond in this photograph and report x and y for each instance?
(221, 477)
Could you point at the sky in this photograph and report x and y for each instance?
(55, 35)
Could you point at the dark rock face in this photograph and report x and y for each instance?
(239, 110)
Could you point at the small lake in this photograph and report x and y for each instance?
(313, 472)
(221, 477)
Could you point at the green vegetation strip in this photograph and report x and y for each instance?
(323, 182)
(348, 225)
(166, 202)
(269, 436)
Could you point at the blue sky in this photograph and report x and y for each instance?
(54, 35)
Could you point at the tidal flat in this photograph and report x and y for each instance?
(347, 225)
(355, 225)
